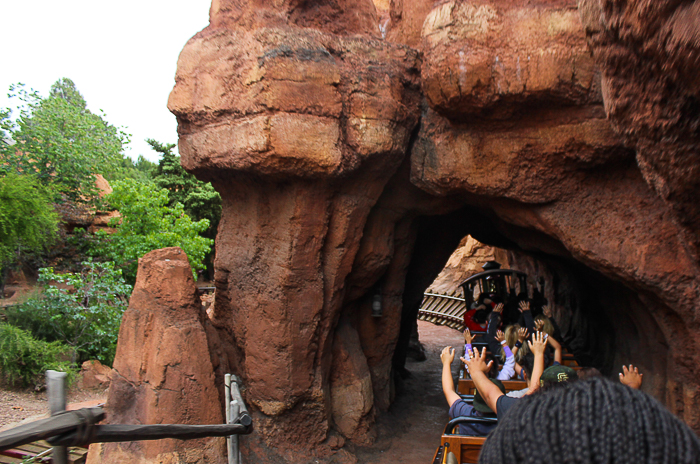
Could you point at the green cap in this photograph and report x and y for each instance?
(556, 374)
(479, 403)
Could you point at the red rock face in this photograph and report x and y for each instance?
(354, 148)
(162, 371)
(648, 53)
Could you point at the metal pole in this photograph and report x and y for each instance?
(240, 409)
(234, 451)
(227, 401)
(56, 389)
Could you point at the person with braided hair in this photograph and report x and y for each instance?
(591, 421)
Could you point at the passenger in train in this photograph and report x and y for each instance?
(508, 370)
(494, 398)
(625, 426)
(526, 366)
(526, 319)
(476, 319)
(515, 337)
(544, 324)
(459, 407)
(495, 345)
(549, 314)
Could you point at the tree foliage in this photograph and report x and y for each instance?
(82, 310)
(199, 199)
(24, 359)
(147, 223)
(28, 221)
(141, 170)
(60, 141)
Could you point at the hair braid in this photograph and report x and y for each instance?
(591, 421)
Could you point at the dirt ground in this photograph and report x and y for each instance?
(409, 433)
(17, 407)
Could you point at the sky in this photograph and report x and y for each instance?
(121, 55)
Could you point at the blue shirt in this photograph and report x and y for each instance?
(461, 408)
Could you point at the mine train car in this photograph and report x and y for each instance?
(483, 290)
(493, 286)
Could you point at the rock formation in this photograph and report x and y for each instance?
(467, 260)
(163, 373)
(647, 51)
(355, 145)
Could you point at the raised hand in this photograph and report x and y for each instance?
(477, 362)
(468, 337)
(498, 308)
(547, 311)
(631, 377)
(538, 343)
(539, 323)
(524, 306)
(522, 334)
(447, 355)
(500, 336)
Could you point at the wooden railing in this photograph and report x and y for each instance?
(79, 428)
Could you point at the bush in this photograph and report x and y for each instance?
(24, 359)
(83, 310)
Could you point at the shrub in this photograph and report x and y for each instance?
(82, 310)
(24, 359)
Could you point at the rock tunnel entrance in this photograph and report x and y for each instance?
(352, 159)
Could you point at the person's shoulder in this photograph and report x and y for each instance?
(460, 408)
(504, 403)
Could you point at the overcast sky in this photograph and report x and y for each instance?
(121, 55)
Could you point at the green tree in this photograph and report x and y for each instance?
(147, 223)
(28, 222)
(142, 170)
(82, 310)
(199, 199)
(60, 141)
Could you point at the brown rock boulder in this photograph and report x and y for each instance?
(93, 374)
(162, 370)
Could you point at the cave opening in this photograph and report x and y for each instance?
(604, 323)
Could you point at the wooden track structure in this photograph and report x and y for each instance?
(443, 309)
(40, 451)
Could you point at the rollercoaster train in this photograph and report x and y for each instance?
(482, 290)
(494, 284)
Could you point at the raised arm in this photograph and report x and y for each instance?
(448, 384)
(524, 307)
(494, 320)
(557, 349)
(631, 377)
(509, 367)
(477, 368)
(547, 311)
(468, 337)
(537, 346)
(522, 336)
